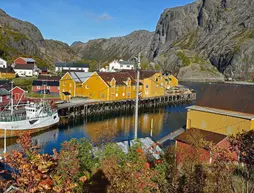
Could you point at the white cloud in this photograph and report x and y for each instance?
(105, 16)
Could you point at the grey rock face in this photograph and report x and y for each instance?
(219, 31)
(118, 47)
(20, 38)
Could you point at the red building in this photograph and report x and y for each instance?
(49, 78)
(186, 141)
(18, 94)
(22, 60)
(50, 87)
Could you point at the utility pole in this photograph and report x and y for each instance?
(137, 95)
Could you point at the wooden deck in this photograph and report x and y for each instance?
(88, 107)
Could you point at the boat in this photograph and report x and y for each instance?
(37, 117)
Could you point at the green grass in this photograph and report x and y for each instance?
(187, 60)
(188, 41)
(24, 83)
(37, 95)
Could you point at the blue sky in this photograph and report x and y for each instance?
(83, 20)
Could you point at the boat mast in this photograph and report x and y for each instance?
(137, 95)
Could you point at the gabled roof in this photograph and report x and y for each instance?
(9, 69)
(47, 83)
(231, 97)
(4, 92)
(28, 59)
(62, 64)
(80, 76)
(24, 67)
(189, 135)
(120, 77)
(143, 73)
(43, 77)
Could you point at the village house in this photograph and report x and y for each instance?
(26, 70)
(22, 60)
(48, 78)
(227, 109)
(195, 142)
(4, 96)
(111, 85)
(50, 87)
(121, 65)
(71, 67)
(7, 73)
(3, 63)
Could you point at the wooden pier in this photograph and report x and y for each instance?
(93, 107)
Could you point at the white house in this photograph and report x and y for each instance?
(74, 67)
(121, 65)
(26, 70)
(3, 63)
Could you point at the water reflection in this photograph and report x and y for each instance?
(114, 127)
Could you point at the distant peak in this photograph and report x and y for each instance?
(2, 12)
(76, 43)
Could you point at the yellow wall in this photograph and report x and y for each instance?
(67, 85)
(95, 88)
(7, 75)
(217, 123)
(153, 86)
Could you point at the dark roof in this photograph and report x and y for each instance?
(9, 69)
(44, 69)
(42, 77)
(24, 66)
(4, 92)
(65, 71)
(120, 77)
(189, 134)
(4, 82)
(47, 83)
(126, 62)
(231, 97)
(62, 64)
(143, 73)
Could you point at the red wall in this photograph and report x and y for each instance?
(183, 151)
(20, 61)
(18, 94)
(53, 89)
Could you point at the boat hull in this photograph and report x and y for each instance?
(18, 128)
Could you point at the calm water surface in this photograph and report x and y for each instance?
(115, 127)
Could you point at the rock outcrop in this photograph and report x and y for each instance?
(117, 47)
(20, 38)
(220, 32)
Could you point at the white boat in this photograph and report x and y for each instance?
(37, 117)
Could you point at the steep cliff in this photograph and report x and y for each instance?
(117, 47)
(20, 38)
(204, 34)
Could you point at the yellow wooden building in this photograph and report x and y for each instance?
(225, 109)
(7, 73)
(113, 85)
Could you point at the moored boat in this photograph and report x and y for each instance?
(37, 117)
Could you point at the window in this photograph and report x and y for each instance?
(63, 90)
(48, 87)
(128, 94)
(70, 85)
(117, 87)
(38, 87)
(147, 86)
(58, 88)
(63, 84)
(86, 86)
(116, 94)
(123, 94)
(146, 92)
(102, 95)
(7, 97)
(161, 85)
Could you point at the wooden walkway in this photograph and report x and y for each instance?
(92, 107)
(171, 136)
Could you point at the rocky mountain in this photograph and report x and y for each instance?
(200, 39)
(116, 47)
(20, 38)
